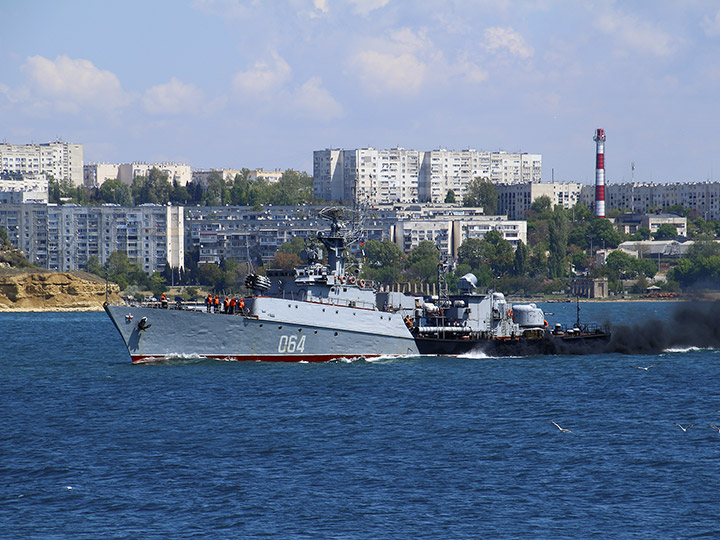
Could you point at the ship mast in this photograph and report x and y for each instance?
(337, 239)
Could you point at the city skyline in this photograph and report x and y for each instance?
(229, 84)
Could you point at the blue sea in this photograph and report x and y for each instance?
(93, 447)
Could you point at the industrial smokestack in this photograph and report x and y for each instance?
(599, 139)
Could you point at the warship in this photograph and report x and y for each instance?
(321, 311)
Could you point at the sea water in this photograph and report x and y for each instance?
(92, 446)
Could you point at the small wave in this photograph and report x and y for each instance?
(673, 350)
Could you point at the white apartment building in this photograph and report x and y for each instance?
(271, 177)
(60, 159)
(95, 174)
(63, 238)
(703, 198)
(448, 234)
(407, 176)
(23, 188)
(515, 199)
(202, 177)
(177, 172)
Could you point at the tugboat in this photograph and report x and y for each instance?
(472, 322)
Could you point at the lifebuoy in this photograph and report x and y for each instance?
(342, 279)
(361, 283)
(351, 280)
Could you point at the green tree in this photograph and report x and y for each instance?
(558, 236)
(521, 259)
(481, 192)
(471, 253)
(422, 263)
(666, 231)
(450, 197)
(114, 191)
(541, 205)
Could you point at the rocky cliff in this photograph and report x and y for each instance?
(38, 290)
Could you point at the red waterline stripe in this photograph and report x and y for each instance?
(276, 358)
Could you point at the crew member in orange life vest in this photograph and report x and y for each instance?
(163, 301)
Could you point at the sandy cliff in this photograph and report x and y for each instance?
(32, 290)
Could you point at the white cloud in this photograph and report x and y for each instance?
(507, 39)
(312, 100)
(70, 85)
(384, 72)
(263, 78)
(321, 5)
(711, 26)
(402, 64)
(364, 7)
(634, 35)
(173, 97)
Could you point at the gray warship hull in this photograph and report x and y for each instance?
(275, 330)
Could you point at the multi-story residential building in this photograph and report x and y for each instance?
(703, 198)
(177, 172)
(407, 176)
(271, 177)
(448, 234)
(202, 177)
(62, 160)
(515, 199)
(95, 174)
(65, 237)
(18, 187)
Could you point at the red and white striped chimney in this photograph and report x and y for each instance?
(599, 139)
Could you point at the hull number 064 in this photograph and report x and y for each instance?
(291, 344)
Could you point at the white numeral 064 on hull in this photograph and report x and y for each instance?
(291, 344)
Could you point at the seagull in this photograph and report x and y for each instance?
(684, 428)
(715, 427)
(560, 428)
(644, 368)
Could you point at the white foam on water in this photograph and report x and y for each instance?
(685, 349)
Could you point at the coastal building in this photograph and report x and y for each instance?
(202, 177)
(18, 187)
(177, 172)
(61, 160)
(586, 287)
(65, 237)
(96, 174)
(410, 176)
(702, 198)
(514, 200)
(630, 223)
(448, 233)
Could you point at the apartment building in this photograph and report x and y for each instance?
(515, 199)
(96, 174)
(59, 159)
(448, 234)
(703, 198)
(64, 238)
(177, 172)
(16, 187)
(410, 176)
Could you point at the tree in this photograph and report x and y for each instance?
(481, 192)
(666, 231)
(422, 263)
(541, 204)
(520, 261)
(497, 252)
(471, 253)
(450, 197)
(558, 236)
(114, 191)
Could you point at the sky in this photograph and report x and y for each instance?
(264, 83)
